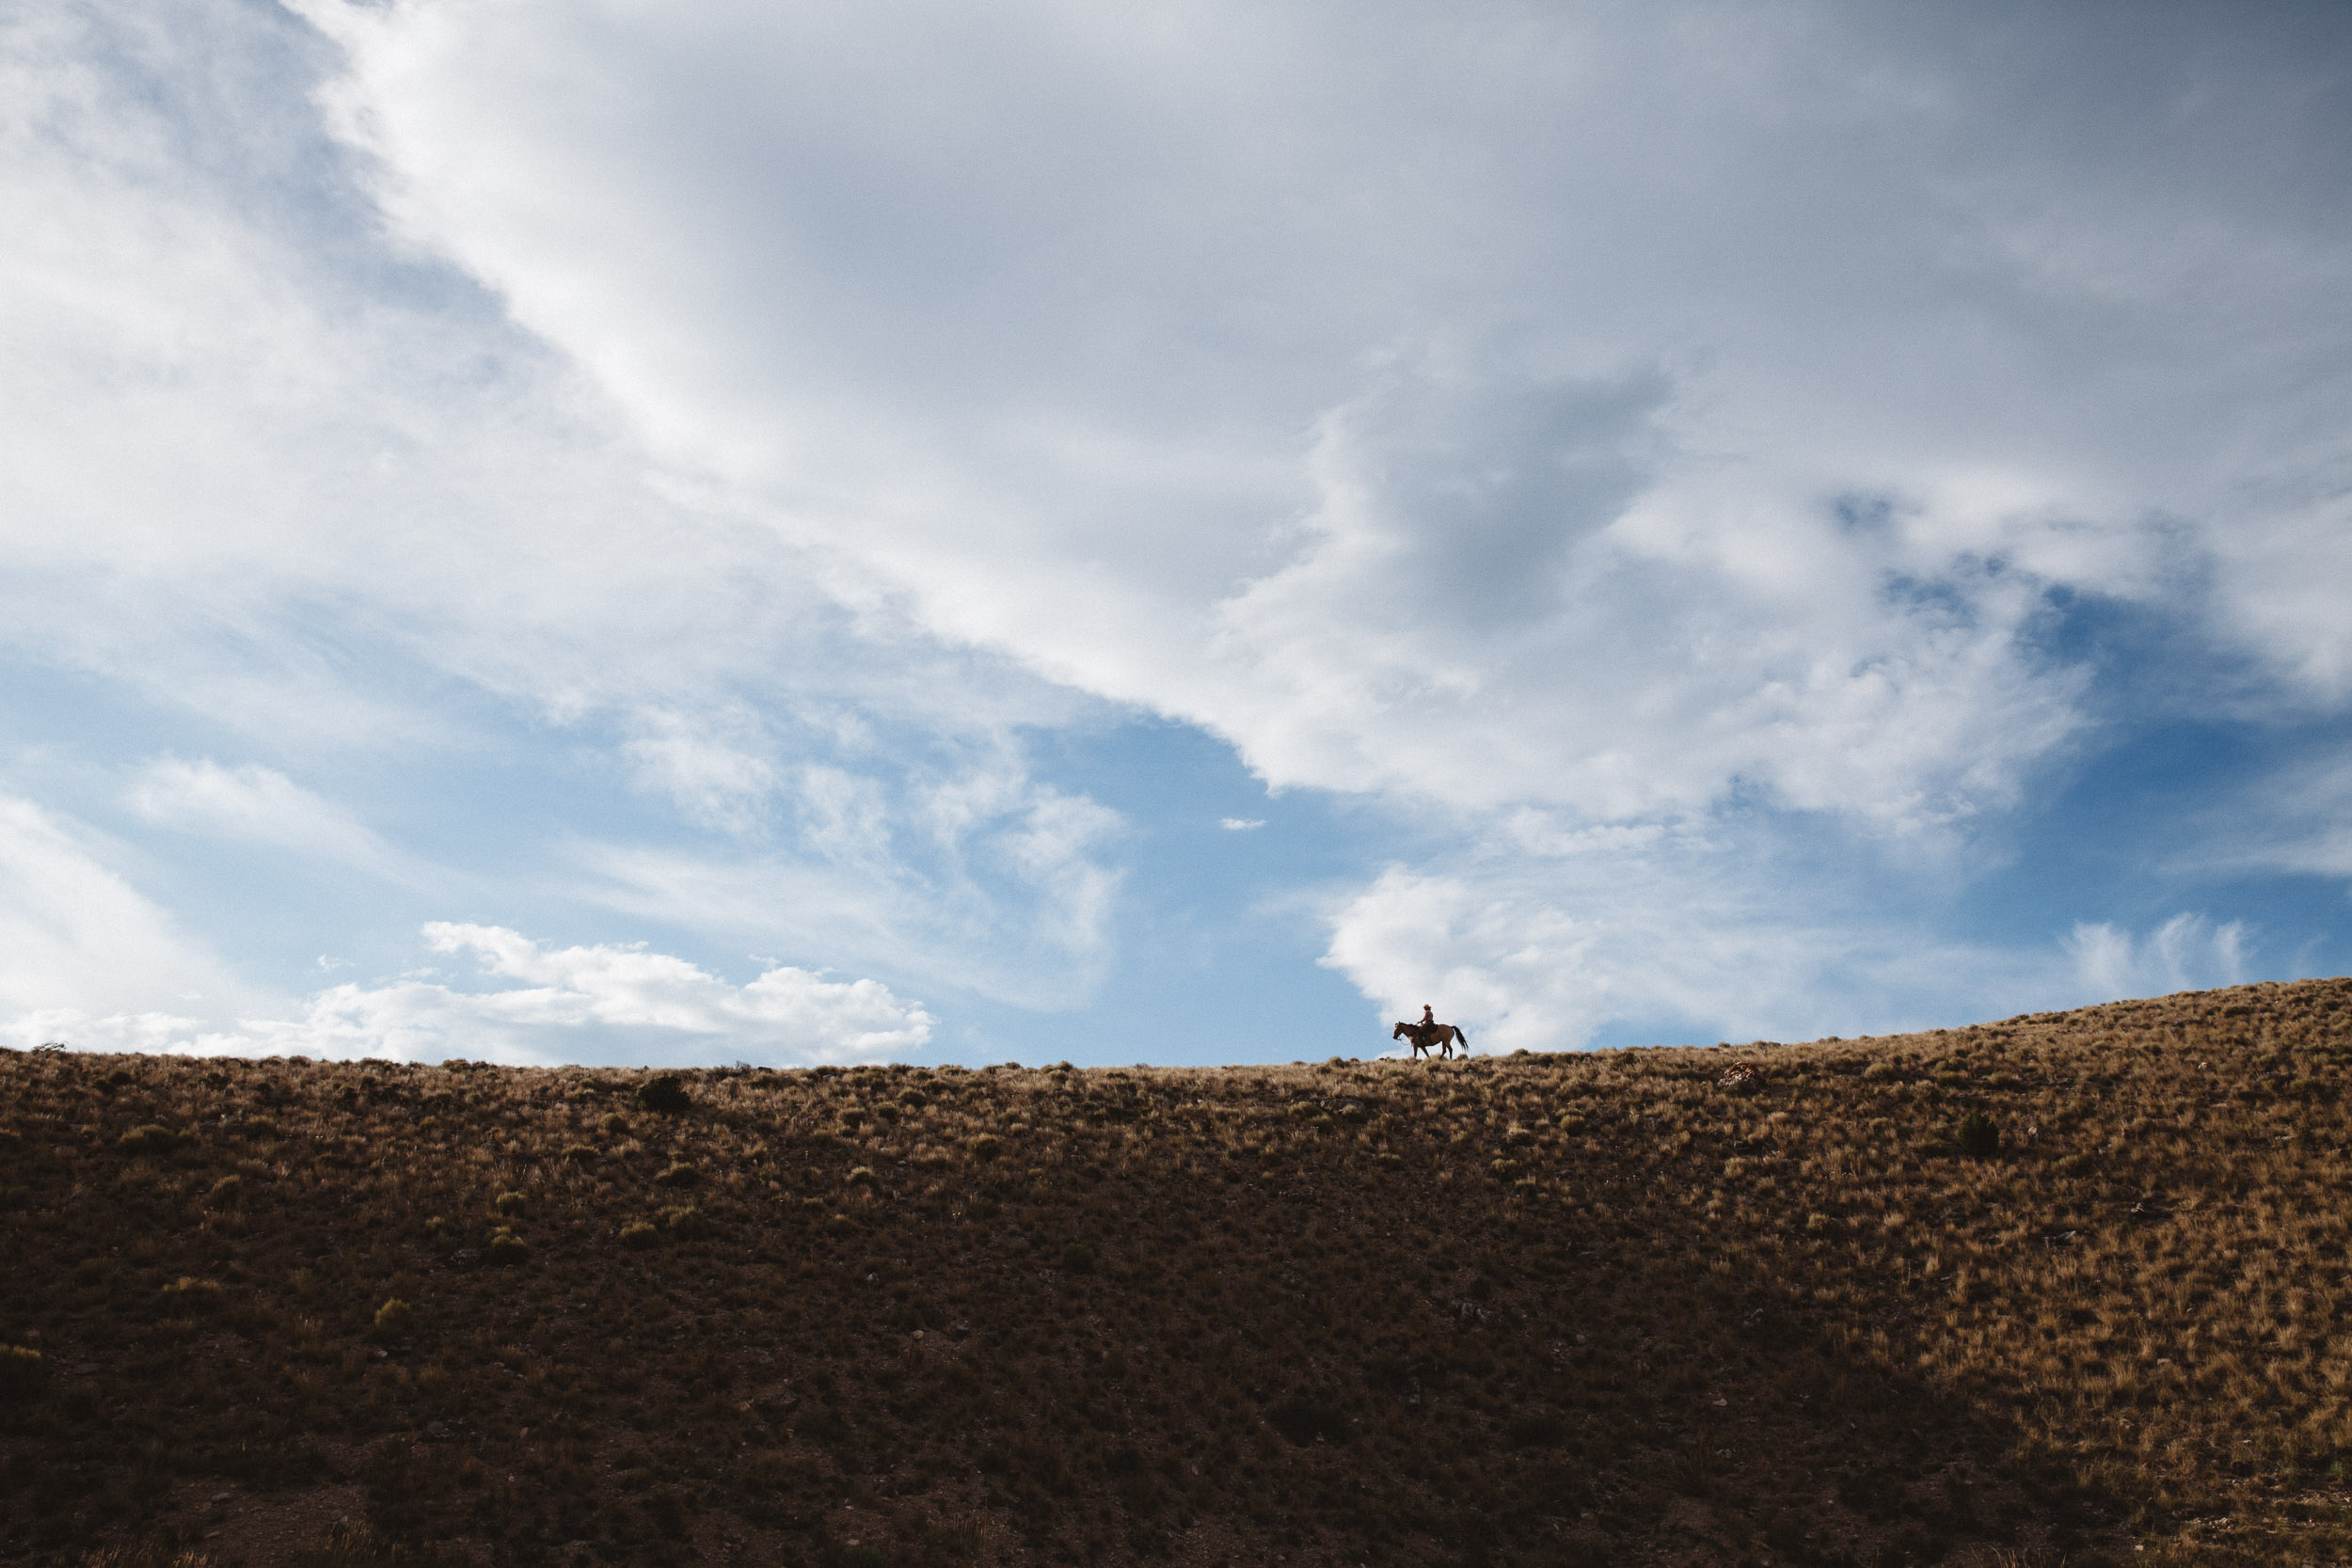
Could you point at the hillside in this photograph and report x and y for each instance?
(1745, 1305)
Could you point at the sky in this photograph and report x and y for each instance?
(622, 532)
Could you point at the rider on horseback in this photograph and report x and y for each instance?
(1429, 1034)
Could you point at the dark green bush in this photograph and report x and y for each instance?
(1304, 1417)
(189, 1294)
(20, 1370)
(148, 1139)
(1977, 1136)
(1535, 1430)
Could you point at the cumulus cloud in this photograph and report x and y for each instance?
(1626, 525)
(1690, 935)
(1551, 961)
(2188, 952)
(598, 1002)
(87, 959)
(604, 1004)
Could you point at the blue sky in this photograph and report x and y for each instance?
(1176, 534)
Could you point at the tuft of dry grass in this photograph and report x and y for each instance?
(2065, 1287)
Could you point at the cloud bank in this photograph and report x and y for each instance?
(1732, 429)
(597, 1005)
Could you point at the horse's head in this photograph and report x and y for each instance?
(1398, 1033)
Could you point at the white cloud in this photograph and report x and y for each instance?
(260, 805)
(2296, 819)
(86, 960)
(1678, 938)
(2187, 952)
(597, 1003)
(982, 878)
(1241, 824)
(720, 776)
(78, 942)
(584, 1003)
(1599, 356)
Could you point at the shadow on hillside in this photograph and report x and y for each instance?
(828, 1322)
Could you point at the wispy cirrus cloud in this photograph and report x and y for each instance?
(78, 939)
(260, 805)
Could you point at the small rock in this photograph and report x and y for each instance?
(436, 1431)
(219, 1498)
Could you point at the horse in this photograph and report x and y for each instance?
(1424, 1035)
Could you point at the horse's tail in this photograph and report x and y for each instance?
(1463, 1035)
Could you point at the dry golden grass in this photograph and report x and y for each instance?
(1752, 1304)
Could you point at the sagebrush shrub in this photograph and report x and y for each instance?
(637, 1235)
(188, 1293)
(1977, 1136)
(150, 1138)
(20, 1368)
(666, 1096)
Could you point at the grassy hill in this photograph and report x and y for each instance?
(2071, 1287)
